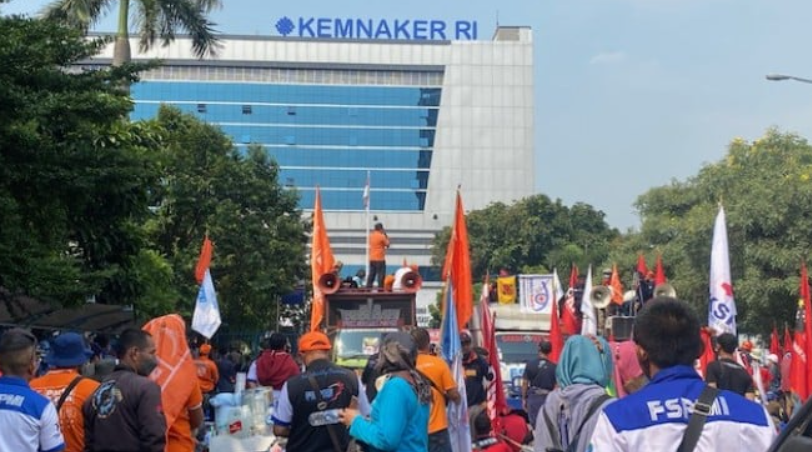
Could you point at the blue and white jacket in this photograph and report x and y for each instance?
(655, 418)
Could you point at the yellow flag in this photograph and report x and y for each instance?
(506, 286)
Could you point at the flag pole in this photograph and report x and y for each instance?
(367, 190)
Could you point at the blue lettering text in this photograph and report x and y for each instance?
(343, 29)
(323, 27)
(383, 30)
(306, 27)
(421, 28)
(438, 30)
(363, 29)
(463, 29)
(402, 30)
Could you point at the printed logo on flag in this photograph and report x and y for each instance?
(536, 293)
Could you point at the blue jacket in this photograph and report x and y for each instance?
(655, 418)
(398, 422)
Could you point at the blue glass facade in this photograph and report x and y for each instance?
(325, 135)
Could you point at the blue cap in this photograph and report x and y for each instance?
(68, 350)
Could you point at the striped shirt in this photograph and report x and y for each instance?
(28, 420)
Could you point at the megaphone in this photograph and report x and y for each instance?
(329, 283)
(601, 297)
(665, 290)
(411, 282)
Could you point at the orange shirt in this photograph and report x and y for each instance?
(378, 242)
(71, 422)
(438, 371)
(207, 374)
(179, 436)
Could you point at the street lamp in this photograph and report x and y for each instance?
(782, 77)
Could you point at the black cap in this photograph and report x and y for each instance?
(465, 338)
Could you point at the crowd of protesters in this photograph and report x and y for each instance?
(83, 395)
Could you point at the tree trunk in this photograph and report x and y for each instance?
(121, 51)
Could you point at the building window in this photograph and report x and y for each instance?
(247, 110)
(201, 108)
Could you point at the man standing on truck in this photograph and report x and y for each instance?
(378, 243)
(538, 380)
(443, 388)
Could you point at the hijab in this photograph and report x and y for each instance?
(586, 359)
(399, 355)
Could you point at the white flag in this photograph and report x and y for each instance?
(366, 193)
(590, 322)
(722, 306)
(558, 291)
(206, 319)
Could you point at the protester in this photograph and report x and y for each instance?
(655, 418)
(629, 376)
(775, 376)
(537, 381)
(443, 387)
(515, 430)
(568, 416)
(274, 366)
(477, 371)
(378, 243)
(400, 412)
(323, 388)
(207, 373)
(227, 370)
(725, 372)
(125, 412)
(28, 420)
(66, 388)
(369, 375)
(485, 440)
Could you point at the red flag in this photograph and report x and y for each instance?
(204, 261)
(707, 356)
(496, 403)
(458, 264)
(321, 262)
(556, 339)
(800, 376)
(787, 340)
(617, 286)
(642, 268)
(775, 345)
(659, 274)
(573, 277)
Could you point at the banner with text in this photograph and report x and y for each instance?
(536, 293)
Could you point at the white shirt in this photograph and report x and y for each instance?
(28, 420)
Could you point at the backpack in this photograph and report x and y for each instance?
(573, 444)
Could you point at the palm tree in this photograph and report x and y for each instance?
(154, 19)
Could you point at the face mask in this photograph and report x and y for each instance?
(146, 365)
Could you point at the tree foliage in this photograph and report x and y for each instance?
(767, 195)
(73, 174)
(533, 232)
(211, 188)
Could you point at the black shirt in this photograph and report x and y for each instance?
(476, 369)
(337, 386)
(540, 373)
(729, 375)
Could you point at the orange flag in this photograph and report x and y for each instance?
(204, 261)
(659, 275)
(175, 365)
(321, 262)
(458, 264)
(617, 286)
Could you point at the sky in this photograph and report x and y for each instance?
(629, 94)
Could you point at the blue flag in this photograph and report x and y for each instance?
(206, 318)
(459, 428)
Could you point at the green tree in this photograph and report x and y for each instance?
(155, 19)
(535, 232)
(766, 192)
(73, 177)
(258, 233)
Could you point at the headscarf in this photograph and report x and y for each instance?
(399, 354)
(586, 359)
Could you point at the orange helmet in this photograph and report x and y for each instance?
(747, 346)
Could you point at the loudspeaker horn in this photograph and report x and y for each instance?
(329, 283)
(665, 290)
(600, 297)
(411, 282)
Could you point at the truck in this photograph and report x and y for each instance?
(518, 335)
(356, 320)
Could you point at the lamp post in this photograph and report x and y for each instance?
(782, 77)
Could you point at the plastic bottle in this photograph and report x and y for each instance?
(326, 417)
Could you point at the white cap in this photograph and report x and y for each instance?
(772, 357)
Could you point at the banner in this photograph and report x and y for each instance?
(536, 293)
(506, 289)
